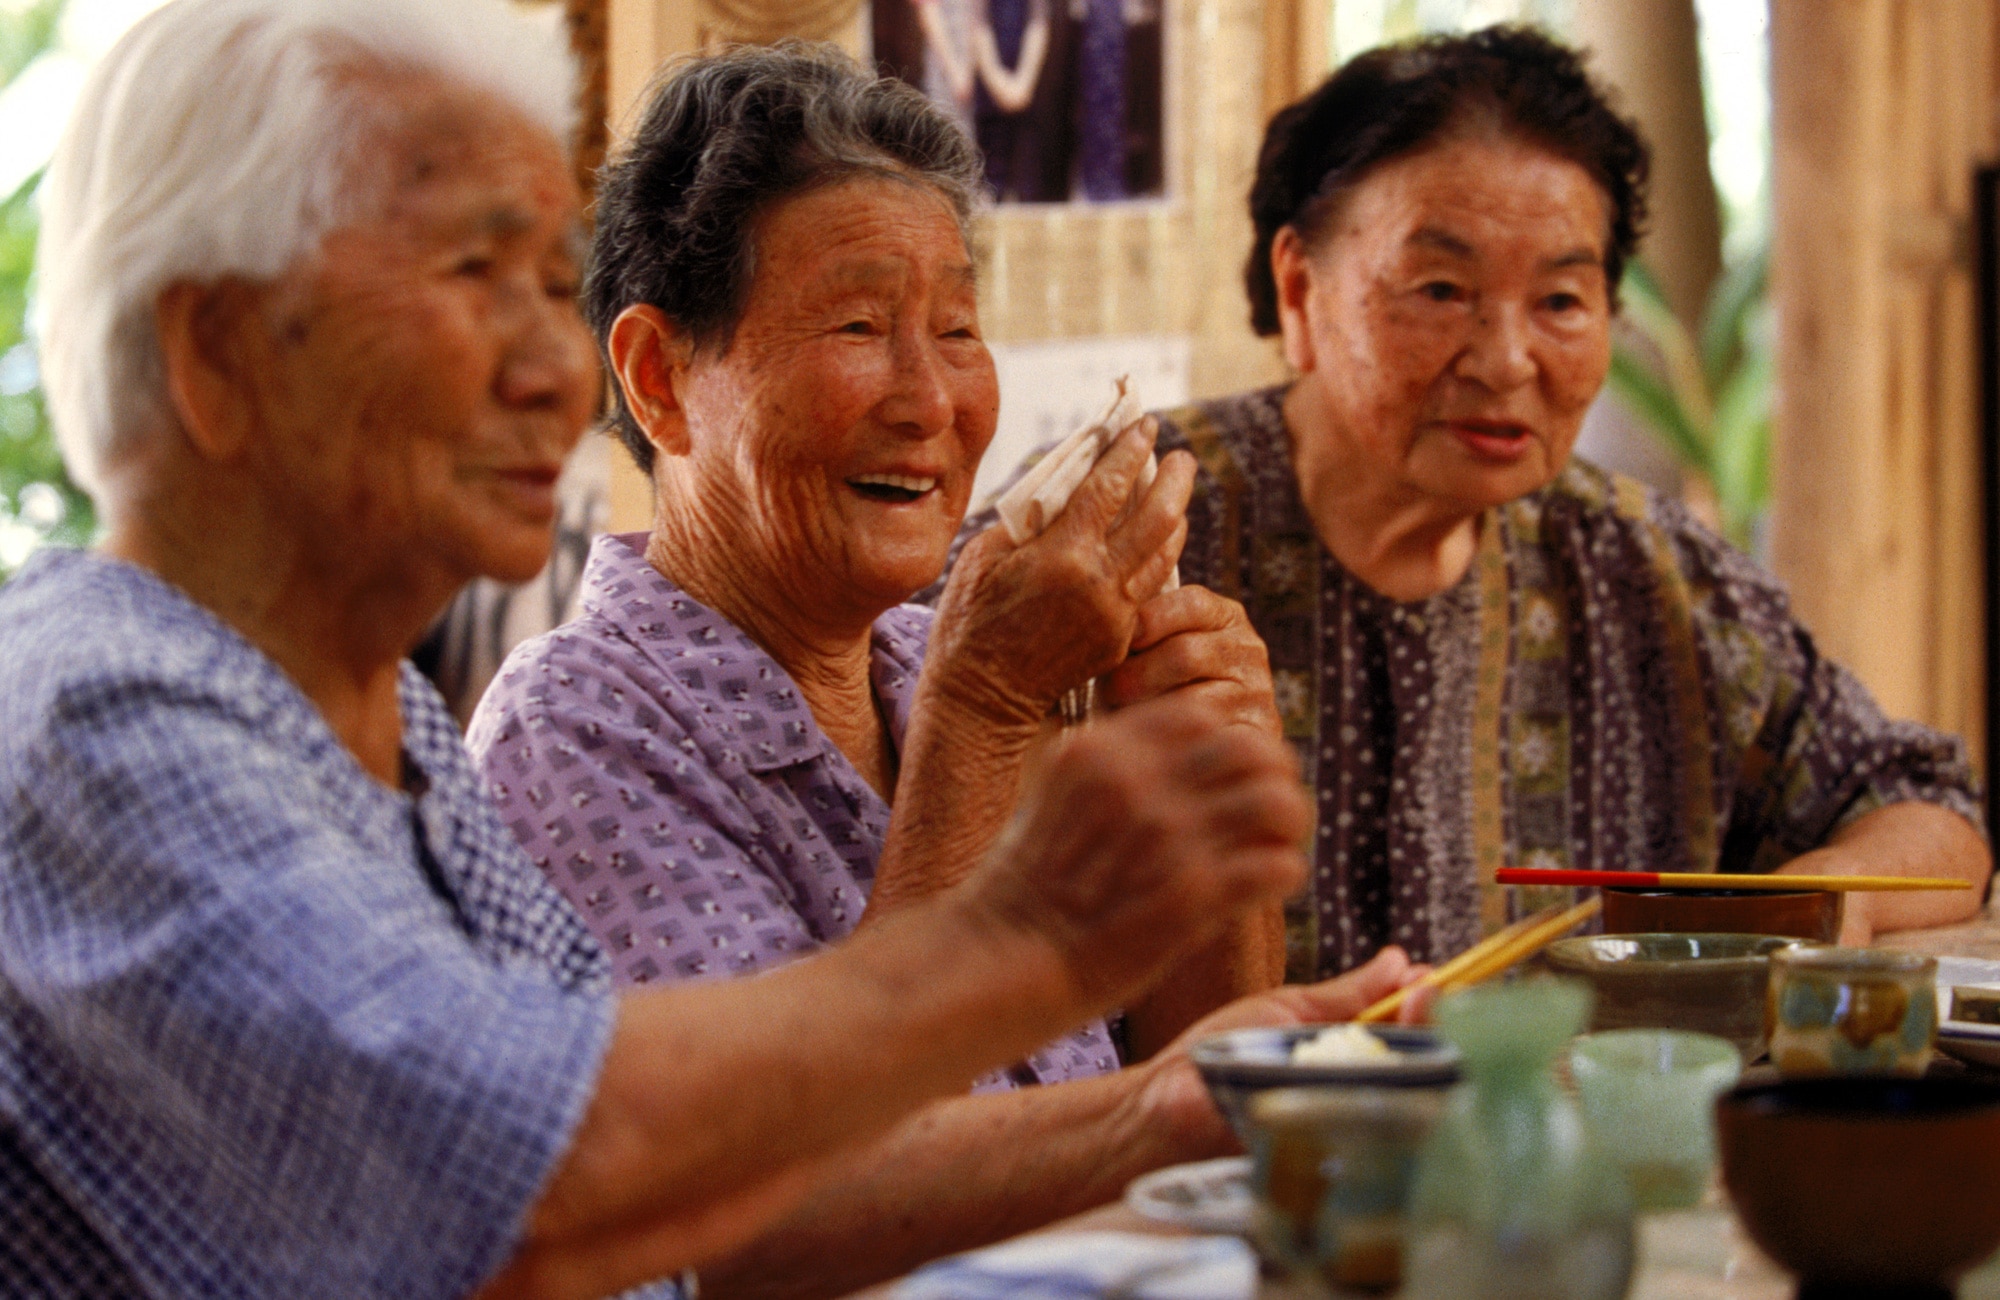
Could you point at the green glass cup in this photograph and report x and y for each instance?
(1648, 1099)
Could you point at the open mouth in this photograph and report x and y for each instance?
(1496, 439)
(895, 489)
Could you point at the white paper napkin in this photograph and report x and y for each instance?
(1038, 497)
(1092, 1266)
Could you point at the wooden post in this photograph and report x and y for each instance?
(1646, 51)
(1881, 110)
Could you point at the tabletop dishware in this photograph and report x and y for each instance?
(1926, 1210)
(1331, 1175)
(1970, 1041)
(1705, 983)
(1205, 1196)
(1802, 913)
(1239, 1064)
(1852, 1011)
(1648, 1098)
(1511, 1201)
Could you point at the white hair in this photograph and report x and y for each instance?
(213, 141)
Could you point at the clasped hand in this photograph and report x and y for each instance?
(1020, 625)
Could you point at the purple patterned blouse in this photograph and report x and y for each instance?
(668, 776)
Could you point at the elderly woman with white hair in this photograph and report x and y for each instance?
(283, 1008)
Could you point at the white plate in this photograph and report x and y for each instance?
(1976, 1043)
(1208, 1196)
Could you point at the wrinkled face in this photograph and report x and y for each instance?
(839, 433)
(1457, 321)
(428, 371)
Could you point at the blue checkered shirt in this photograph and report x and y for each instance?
(267, 1028)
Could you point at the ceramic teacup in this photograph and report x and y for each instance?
(1331, 1172)
(1649, 1105)
(1856, 1011)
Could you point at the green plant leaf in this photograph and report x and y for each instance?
(1646, 311)
(1658, 407)
(1738, 294)
(1742, 444)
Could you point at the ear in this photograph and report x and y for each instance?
(650, 356)
(1292, 270)
(199, 328)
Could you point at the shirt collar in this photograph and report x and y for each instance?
(723, 669)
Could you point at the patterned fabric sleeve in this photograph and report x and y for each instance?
(252, 1048)
(612, 797)
(1803, 743)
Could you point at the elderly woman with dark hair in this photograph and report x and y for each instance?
(747, 750)
(737, 752)
(284, 1010)
(1488, 653)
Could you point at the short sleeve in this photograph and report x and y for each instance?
(1814, 750)
(634, 821)
(253, 1048)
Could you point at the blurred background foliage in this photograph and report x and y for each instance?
(1707, 396)
(38, 503)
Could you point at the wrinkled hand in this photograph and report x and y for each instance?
(1176, 1102)
(1193, 642)
(1145, 837)
(1019, 625)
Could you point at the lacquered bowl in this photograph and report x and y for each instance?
(1802, 914)
(1240, 1064)
(1707, 983)
(1866, 1186)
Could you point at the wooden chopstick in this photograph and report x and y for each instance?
(1440, 976)
(1523, 946)
(1718, 880)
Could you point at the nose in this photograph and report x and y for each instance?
(1500, 354)
(919, 403)
(550, 363)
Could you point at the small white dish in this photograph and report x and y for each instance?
(1207, 1196)
(1976, 1044)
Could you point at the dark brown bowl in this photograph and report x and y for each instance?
(1878, 1185)
(1802, 914)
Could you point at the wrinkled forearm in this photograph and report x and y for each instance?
(958, 1175)
(1911, 838)
(711, 1095)
(959, 781)
(1247, 957)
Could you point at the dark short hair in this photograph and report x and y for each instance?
(725, 138)
(1397, 99)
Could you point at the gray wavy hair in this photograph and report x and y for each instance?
(725, 138)
(216, 140)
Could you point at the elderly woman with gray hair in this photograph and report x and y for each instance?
(283, 1008)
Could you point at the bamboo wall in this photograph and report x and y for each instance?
(1882, 110)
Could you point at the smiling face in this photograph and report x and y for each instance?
(1452, 323)
(834, 443)
(421, 380)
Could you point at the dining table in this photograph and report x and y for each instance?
(1695, 1254)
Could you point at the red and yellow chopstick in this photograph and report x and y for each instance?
(1716, 880)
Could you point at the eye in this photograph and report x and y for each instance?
(962, 332)
(1563, 302)
(857, 327)
(477, 266)
(1441, 291)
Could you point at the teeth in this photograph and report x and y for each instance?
(895, 481)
